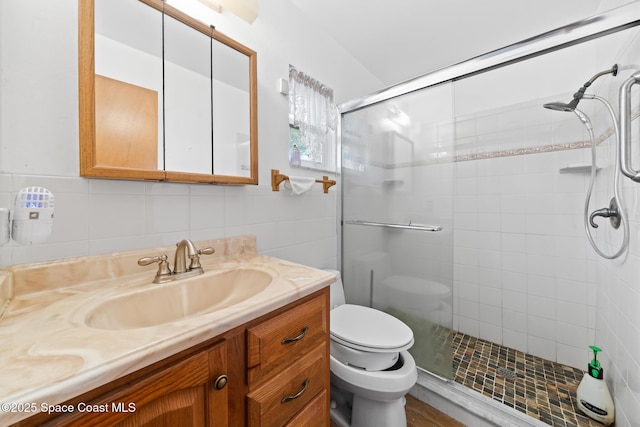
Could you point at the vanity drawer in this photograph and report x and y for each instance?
(278, 400)
(314, 414)
(278, 342)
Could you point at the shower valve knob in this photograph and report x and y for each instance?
(604, 212)
(611, 212)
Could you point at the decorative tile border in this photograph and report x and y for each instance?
(523, 151)
(502, 153)
(543, 148)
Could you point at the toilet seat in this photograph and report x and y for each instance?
(368, 329)
(366, 338)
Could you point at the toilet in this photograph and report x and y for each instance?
(371, 369)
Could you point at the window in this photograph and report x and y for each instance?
(312, 123)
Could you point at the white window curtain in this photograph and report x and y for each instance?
(312, 110)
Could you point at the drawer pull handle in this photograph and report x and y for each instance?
(298, 338)
(298, 394)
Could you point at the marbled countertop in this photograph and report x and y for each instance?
(49, 354)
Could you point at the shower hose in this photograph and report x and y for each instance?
(616, 185)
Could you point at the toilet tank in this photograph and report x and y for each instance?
(336, 291)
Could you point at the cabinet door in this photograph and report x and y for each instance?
(188, 146)
(174, 396)
(218, 389)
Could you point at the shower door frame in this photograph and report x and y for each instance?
(596, 26)
(610, 22)
(615, 20)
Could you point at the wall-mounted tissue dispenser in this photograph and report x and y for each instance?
(31, 220)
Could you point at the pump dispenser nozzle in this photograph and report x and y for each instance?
(595, 370)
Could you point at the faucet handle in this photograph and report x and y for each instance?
(195, 259)
(151, 259)
(164, 272)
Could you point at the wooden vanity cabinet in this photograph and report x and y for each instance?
(276, 368)
(288, 366)
(188, 392)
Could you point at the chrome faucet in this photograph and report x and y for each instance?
(185, 250)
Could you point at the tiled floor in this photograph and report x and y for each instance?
(542, 389)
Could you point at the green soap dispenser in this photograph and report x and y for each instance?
(594, 398)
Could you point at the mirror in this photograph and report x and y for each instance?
(163, 96)
(187, 94)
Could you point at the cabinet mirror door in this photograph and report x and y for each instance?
(231, 132)
(121, 99)
(187, 90)
(163, 96)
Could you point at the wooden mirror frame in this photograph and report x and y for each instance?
(87, 125)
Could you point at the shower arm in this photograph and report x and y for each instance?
(580, 93)
(625, 128)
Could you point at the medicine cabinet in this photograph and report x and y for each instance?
(164, 96)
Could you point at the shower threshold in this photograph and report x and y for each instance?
(539, 388)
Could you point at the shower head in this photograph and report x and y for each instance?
(560, 106)
(571, 106)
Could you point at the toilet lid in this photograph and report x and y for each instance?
(369, 329)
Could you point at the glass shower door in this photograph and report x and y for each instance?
(397, 201)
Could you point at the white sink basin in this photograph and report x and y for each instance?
(178, 300)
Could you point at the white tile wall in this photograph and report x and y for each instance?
(615, 295)
(101, 216)
(520, 262)
(556, 295)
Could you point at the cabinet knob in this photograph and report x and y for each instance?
(221, 382)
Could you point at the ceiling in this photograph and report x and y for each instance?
(403, 39)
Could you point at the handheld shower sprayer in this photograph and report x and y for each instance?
(561, 106)
(571, 106)
(616, 210)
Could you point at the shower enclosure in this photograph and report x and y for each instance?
(462, 199)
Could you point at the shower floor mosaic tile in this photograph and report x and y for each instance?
(537, 387)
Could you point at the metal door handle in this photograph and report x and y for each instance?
(625, 128)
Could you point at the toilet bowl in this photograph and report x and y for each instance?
(371, 369)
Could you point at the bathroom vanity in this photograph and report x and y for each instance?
(263, 360)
